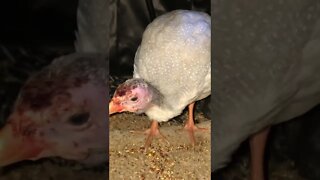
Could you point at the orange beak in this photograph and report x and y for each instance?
(15, 147)
(114, 107)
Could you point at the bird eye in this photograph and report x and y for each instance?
(79, 119)
(134, 99)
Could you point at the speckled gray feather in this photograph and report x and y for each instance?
(266, 61)
(175, 58)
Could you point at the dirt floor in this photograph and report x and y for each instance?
(176, 159)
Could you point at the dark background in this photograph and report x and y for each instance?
(32, 33)
(34, 23)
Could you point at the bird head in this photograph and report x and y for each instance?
(134, 95)
(58, 113)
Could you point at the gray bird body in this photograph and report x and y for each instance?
(174, 57)
(266, 65)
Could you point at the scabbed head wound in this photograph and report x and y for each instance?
(128, 86)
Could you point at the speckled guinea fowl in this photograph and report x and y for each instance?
(172, 70)
(266, 63)
(61, 110)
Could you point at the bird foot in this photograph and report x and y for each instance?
(191, 128)
(151, 134)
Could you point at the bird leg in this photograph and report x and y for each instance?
(152, 132)
(190, 127)
(257, 148)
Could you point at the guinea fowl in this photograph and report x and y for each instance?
(172, 70)
(266, 63)
(61, 110)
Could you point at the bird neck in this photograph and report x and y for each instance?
(159, 113)
(157, 109)
(156, 98)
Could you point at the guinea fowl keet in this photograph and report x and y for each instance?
(172, 70)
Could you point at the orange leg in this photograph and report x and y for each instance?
(152, 132)
(190, 127)
(257, 148)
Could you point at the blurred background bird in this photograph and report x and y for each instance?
(61, 110)
(172, 70)
(266, 60)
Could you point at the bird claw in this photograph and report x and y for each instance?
(194, 128)
(150, 135)
(191, 129)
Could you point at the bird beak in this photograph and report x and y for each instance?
(15, 147)
(114, 107)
